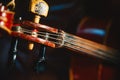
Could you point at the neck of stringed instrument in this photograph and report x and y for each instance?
(91, 48)
(75, 43)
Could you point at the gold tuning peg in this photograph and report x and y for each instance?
(11, 3)
(39, 7)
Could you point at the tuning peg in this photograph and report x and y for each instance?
(11, 3)
(39, 8)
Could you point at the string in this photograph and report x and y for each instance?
(86, 45)
(74, 42)
(68, 40)
(93, 52)
(52, 34)
(43, 34)
(86, 42)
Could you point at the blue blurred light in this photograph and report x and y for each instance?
(61, 6)
(96, 31)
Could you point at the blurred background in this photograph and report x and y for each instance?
(96, 20)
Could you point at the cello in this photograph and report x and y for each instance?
(63, 39)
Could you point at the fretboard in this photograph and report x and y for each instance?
(91, 48)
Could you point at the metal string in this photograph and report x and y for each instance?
(42, 34)
(77, 43)
(99, 50)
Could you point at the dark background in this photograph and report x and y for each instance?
(65, 15)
